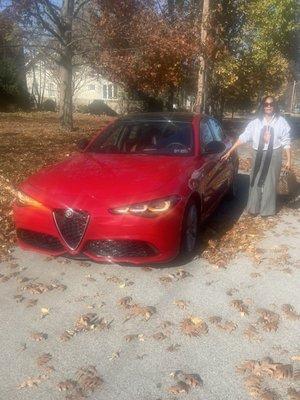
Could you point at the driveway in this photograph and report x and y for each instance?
(59, 317)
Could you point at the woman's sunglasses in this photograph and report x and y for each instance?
(268, 104)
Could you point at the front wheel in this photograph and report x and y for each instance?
(190, 229)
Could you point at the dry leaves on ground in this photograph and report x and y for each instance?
(173, 347)
(175, 277)
(159, 336)
(241, 307)
(269, 320)
(32, 381)
(182, 304)
(251, 333)
(44, 359)
(38, 336)
(224, 241)
(136, 310)
(86, 322)
(184, 382)
(256, 371)
(90, 321)
(39, 287)
(87, 381)
(122, 283)
(227, 326)
(289, 312)
(193, 326)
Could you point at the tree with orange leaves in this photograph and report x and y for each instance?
(141, 49)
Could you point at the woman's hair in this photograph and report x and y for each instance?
(260, 111)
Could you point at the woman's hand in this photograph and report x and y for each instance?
(226, 156)
(288, 165)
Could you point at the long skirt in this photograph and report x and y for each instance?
(262, 200)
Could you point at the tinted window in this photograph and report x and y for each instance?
(153, 137)
(217, 130)
(205, 134)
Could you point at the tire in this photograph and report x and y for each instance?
(232, 191)
(190, 229)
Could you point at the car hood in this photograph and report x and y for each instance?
(114, 179)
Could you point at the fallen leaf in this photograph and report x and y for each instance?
(290, 312)
(159, 336)
(268, 319)
(43, 359)
(173, 347)
(114, 355)
(38, 336)
(251, 333)
(31, 303)
(182, 304)
(179, 388)
(44, 312)
(241, 307)
(32, 382)
(193, 326)
(88, 379)
(67, 335)
(67, 385)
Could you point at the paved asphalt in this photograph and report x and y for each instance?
(140, 369)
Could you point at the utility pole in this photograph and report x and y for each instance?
(201, 87)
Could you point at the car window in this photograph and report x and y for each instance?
(217, 130)
(146, 137)
(206, 135)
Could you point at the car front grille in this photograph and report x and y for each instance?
(119, 248)
(72, 225)
(40, 240)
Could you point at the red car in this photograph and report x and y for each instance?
(136, 193)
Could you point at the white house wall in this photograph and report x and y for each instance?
(87, 87)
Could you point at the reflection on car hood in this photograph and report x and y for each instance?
(114, 179)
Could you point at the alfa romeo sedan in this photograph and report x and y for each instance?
(136, 193)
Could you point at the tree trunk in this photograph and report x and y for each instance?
(202, 62)
(66, 94)
(66, 67)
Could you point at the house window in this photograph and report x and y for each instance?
(91, 87)
(110, 92)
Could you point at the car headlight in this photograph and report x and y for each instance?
(25, 200)
(150, 208)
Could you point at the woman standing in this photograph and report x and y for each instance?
(269, 133)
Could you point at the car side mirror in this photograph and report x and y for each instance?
(82, 144)
(214, 147)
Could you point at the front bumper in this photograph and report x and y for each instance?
(108, 238)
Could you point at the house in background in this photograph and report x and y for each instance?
(43, 84)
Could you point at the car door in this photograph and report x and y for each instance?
(211, 171)
(225, 168)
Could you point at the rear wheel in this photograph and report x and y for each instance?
(190, 229)
(232, 191)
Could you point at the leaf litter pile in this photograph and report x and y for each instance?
(28, 142)
(258, 373)
(85, 323)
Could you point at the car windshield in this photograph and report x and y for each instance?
(145, 137)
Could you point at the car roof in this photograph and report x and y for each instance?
(160, 116)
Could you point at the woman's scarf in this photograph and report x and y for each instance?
(259, 156)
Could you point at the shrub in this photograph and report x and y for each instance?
(48, 105)
(98, 107)
(13, 93)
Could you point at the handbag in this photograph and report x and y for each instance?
(287, 185)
